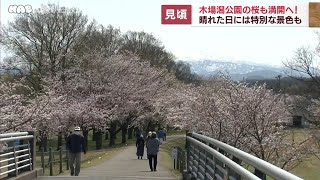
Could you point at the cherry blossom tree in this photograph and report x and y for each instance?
(249, 118)
(99, 91)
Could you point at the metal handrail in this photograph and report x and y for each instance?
(231, 164)
(13, 134)
(7, 139)
(265, 167)
(17, 157)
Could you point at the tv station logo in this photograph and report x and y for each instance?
(20, 9)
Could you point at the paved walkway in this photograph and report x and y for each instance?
(124, 165)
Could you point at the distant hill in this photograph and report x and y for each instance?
(237, 70)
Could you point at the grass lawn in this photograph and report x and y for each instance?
(309, 168)
(92, 158)
(165, 153)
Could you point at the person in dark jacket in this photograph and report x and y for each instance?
(152, 151)
(75, 145)
(161, 136)
(140, 146)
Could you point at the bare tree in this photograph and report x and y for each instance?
(305, 65)
(97, 38)
(41, 42)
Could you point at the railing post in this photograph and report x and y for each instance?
(42, 160)
(178, 159)
(33, 146)
(11, 144)
(226, 176)
(232, 173)
(60, 159)
(187, 171)
(214, 166)
(260, 174)
(30, 157)
(198, 159)
(15, 160)
(51, 161)
(205, 162)
(183, 162)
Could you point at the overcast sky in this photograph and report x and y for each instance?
(266, 45)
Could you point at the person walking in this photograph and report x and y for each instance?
(140, 146)
(161, 136)
(152, 151)
(165, 134)
(75, 145)
(146, 141)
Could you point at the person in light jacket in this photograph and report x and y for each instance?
(152, 151)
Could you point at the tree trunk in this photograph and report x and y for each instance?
(112, 130)
(98, 139)
(59, 141)
(85, 135)
(93, 134)
(130, 132)
(65, 137)
(43, 142)
(106, 135)
(151, 126)
(124, 133)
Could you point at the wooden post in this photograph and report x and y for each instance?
(60, 159)
(42, 160)
(67, 159)
(51, 159)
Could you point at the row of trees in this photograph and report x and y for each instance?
(84, 73)
(253, 119)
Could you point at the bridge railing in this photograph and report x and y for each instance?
(208, 158)
(18, 154)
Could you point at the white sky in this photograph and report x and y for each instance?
(267, 45)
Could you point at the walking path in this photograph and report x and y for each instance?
(124, 165)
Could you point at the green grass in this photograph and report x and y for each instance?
(165, 153)
(53, 142)
(309, 168)
(92, 158)
(174, 132)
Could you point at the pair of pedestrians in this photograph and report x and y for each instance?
(152, 145)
